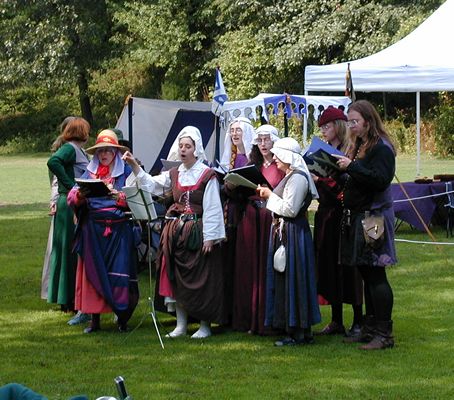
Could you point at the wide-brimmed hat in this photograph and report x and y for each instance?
(106, 138)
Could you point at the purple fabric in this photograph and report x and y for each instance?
(426, 207)
(240, 161)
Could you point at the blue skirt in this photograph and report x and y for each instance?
(291, 296)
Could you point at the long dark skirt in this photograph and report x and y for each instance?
(355, 252)
(336, 283)
(196, 278)
(291, 301)
(249, 287)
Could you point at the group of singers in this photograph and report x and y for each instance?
(230, 255)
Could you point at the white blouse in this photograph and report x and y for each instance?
(213, 216)
(295, 192)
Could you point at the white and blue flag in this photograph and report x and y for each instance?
(219, 95)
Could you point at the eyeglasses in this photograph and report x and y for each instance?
(263, 140)
(352, 123)
(324, 127)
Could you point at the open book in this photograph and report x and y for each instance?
(168, 165)
(93, 187)
(140, 203)
(320, 160)
(249, 176)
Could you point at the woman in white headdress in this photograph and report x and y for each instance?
(291, 302)
(237, 143)
(253, 231)
(237, 148)
(189, 262)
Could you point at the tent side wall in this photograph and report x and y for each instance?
(156, 123)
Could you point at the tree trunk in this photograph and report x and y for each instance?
(84, 98)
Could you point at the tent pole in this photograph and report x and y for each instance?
(418, 133)
(131, 141)
(305, 122)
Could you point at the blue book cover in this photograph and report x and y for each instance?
(319, 158)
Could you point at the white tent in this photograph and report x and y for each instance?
(423, 61)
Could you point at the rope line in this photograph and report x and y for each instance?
(423, 197)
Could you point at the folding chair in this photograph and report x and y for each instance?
(450, 208)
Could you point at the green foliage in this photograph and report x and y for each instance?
(403, 135)
(29, 119)
(98, 52)
(444, 125)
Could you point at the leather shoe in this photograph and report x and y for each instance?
(289, 341)
(91, 329)
(333, 328)
(354, 331)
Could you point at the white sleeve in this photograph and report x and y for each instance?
(154, 184)
(54, 190)
(289, 205)
(213, 215)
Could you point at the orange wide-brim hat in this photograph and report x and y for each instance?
(106, 138)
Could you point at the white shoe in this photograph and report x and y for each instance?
(203, 332)
(177, 332)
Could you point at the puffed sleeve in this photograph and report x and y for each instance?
(295, 192)
(213, 216)
(154, 184)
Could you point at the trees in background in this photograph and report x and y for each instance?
(105, 49)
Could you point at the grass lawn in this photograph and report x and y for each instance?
(41, 351)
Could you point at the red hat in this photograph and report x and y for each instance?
(331, 114)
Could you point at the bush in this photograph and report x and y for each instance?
(30, 118)
(402, 135)
(444, 125)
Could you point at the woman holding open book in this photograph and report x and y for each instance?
(291, 293)
(335, 283)
(107, 264)
(253, 231)
(237, 148)
(190, 267)
(367, 230)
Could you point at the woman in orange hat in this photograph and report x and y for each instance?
(106, 270)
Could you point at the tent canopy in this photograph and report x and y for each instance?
(421, 62)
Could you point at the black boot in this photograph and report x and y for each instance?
(367, 331)
(95, 324)
(383, 337)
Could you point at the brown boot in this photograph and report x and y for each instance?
(366, 334)
(383, 338)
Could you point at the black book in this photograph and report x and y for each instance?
(320, 159)
(252, 174)
(93, 187)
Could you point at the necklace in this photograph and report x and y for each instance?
(347, 179)
(266, 164)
